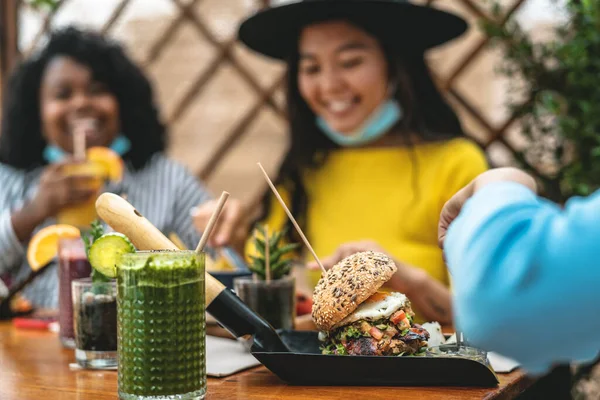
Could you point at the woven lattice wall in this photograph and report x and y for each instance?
(224, 105)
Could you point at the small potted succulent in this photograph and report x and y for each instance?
(270, 291)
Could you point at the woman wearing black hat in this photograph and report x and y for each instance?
(375, 150)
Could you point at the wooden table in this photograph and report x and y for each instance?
(33, 365)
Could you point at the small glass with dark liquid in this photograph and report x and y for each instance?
(95, 322)
(72, 264)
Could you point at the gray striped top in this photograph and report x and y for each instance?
(163, 191)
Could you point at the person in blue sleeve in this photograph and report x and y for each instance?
(525, 271)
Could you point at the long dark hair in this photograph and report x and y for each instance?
(22, 143)
(426, 114)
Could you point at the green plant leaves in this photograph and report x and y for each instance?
(49, 4)
(554, 90)
(280, 261)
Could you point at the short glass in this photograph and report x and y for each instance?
(161, 325)
(72, 264)
(82, 215)
(95, 323)
(274, 300)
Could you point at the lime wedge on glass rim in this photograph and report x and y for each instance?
(106, 251)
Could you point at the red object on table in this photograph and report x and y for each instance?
(33, 323)
(303, 304)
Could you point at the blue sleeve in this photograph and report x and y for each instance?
(526, 275)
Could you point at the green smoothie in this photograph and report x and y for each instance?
(161, 325)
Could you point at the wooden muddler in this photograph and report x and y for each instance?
(124, 218)
(223, 305)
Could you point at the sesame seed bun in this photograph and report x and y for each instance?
(345, 286)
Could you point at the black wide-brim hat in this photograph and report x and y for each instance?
(274, 31)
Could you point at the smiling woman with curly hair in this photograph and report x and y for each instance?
(82, 76)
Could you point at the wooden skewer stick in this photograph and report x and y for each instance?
(212, 221)
(267, 255)
(79, 144)
(289, 214)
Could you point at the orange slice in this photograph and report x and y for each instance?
(110, 161)
(43, 246)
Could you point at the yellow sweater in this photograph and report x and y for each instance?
(389, 195)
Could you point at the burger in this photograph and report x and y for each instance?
(355, 318)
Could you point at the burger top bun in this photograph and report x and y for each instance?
(345, 286)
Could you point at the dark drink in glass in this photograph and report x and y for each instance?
(95, 321)
(72, 264)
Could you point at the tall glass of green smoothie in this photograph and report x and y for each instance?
(161, 325)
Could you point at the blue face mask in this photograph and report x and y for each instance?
(383, 118)
(54, 154)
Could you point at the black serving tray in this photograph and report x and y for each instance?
(305, 365)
